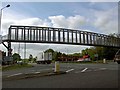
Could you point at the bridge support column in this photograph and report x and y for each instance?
(9, 49)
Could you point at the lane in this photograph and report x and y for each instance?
(107, 73)
(99, 79)
(64, 67)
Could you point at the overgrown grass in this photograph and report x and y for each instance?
(16, 66)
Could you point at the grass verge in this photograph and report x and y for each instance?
(15, 66)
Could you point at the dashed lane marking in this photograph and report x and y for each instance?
(37, 72)
(84, 70)
(89, 70)
(69, 70)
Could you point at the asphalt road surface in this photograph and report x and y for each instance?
(78, 76)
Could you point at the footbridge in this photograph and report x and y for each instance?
(35, 34)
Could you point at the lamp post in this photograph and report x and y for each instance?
(1, 19)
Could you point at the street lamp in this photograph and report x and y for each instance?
(1, 18)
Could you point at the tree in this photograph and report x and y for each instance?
(105, 52)
(16, 57)
(49, 50)
(75, 54)
(30, 57)
(55, 56)
(34, 59)
(109, 53)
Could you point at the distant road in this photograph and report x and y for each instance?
(78, 76)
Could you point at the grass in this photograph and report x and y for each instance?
(15, 66)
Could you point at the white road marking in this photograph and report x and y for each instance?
(14, 74)
(84, 70)
(37, 72)
(69, 70)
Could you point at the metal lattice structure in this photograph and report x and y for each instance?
(33, 34)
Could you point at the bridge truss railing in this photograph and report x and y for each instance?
(60, 36)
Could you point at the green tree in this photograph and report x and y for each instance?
(55, 56)
(76, 54)
(34, 59)
(103, 52)
(91, 51)
(30, 57)
(49, 50)
(16, 57)
(109, 53)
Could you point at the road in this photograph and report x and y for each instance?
(78, 76)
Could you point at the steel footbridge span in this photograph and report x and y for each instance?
(35, 34)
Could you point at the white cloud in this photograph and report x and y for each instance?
(32, 21)
(28, 21)
(106, 21)
(58, 21)
(73, 22)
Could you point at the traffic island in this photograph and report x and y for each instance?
(32, 75)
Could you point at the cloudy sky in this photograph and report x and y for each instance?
(99, 17)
